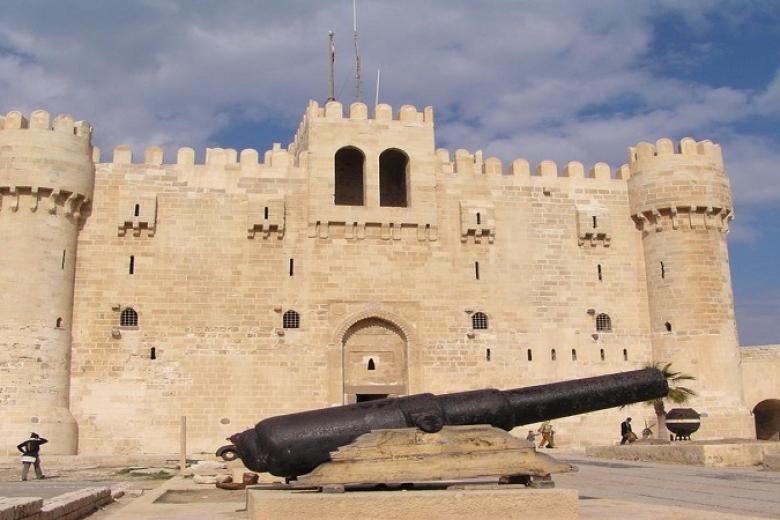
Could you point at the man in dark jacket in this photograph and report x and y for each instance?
(31, 455)
(626, 434)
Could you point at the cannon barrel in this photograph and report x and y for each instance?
(295, 444)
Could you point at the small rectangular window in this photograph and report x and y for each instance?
(137, 210)
(663, 270)
(476, 270)
(530, 355)
(573, 354)
(479, 218)
(153, 353)
(265, 213)
(132, 264)
(487, 354)
(625, 354)
(292, 267)
(62, 264)
(595, 222)
(599, 273)
(603, 356)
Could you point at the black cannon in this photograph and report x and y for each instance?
(295, 444)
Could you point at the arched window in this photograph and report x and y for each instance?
(59, 323)
(371, 364)
(479, 321)
(603, 323)
(349, 177)
(668, 326)
(393, 166)
(128, 318)
(291, 320)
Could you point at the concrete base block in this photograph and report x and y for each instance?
(513, 502)
(723, 454)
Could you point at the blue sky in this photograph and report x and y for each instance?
(561, 80)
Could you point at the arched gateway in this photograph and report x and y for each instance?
(767, 415)
(374, 360)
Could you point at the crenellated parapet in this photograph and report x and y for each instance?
(45, 165)
(681, 187)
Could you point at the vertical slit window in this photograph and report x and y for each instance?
(292, 267)
(153, 353)
(479, 218)
(574, 354)
(137, 210)
(595, 221)
(265, 213)
(349, 174)
(663, 270)
(487, 354)
(393, 170)
(530, 355)
(131, 268)
(598, 268)
(602, 354)
(476, 270)
(62, 263)
(553, 355)
(625, 354)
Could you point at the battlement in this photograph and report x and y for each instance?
(664, 148)
(227, 158)
(40, 120)
(465, 162)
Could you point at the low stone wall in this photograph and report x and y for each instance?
(68, 506)
(735, 454)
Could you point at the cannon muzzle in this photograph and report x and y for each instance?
(295, 444)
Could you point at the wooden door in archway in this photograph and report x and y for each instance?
(374, 358)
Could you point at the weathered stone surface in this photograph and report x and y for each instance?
(152, 472)
(744, 453)
(525, 504)
(771, 462)
(205, 479)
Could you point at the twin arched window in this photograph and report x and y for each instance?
(128, 318)
(291, 320)
(349, 180)
(479, 321)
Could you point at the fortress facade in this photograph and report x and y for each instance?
(358, 262)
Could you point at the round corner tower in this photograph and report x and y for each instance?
(681, 203)
(47, 178)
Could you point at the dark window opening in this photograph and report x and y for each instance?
(59, 323)
(530, 355)
(128, 318)
(62, 263)
(625, 355)
(349, 177)
(553, 355)
(476, 270)
(487, 354)
(601, 353)
(153, 353)
(362, 398)
(663, 270)
(668, 326)
(137, 210)
(574, 354)
(603, 323)
(371, 364)
(595, 222)
(132, 264)
(265, 213)
(393, 167)
(292, 267)
(479, 321)
(599, 272)
(291, 320)
(479, 218)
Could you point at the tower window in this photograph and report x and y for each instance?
(487, 354)
(349, 173)
(603, 323)
(479, 321)
(131, 269)
(598, 269)
(128, 318)
(291, 320)
(625, 354)
(663, 270)
(62, 263)
(137, 210)
(479, 218)
(553, 355)
(476, 270)
(393, 167)
(595, 222)
(371, 364)
(530, 355)
(668, 326)
(153, 353)
(574, 354)
(292, 267)
(265, 213)
(59, 323)
(602, 354)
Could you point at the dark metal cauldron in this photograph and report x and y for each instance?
(683, 422)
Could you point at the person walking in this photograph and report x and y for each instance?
(31, 455)
(546, 430)
(626, 434)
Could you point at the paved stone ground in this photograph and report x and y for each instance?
(46, 488)
(748, 491)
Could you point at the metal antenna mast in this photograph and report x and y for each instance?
(331, 60)
(376, 100)
(358, 94)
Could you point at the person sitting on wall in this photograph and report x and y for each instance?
(626, 434)
(31, 455)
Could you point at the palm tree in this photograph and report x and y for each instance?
(678, 394)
